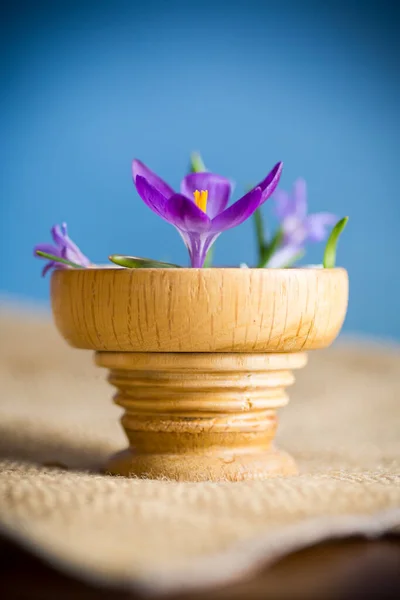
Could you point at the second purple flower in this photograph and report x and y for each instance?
(297, 226)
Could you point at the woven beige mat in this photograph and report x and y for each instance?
(342, 425)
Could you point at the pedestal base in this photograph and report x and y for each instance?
(243, 467)
(200, 416)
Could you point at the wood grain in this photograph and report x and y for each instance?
(199, 310)
(194, 417)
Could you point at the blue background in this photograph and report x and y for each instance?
(87, 86)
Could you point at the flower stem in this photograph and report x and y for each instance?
(58, 259)
(270, 249)
(260, 237)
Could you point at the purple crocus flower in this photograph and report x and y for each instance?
(199, 212)
(64, 248)
(297, 226)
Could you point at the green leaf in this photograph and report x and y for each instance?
(58, 259)
(196, 163)
(329, 260)
(136, 262)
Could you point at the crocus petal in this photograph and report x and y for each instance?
(198, 244)
(239, 211)
(219, 190)
(317, 224)
(299, 198)
(151, 196)
(139, 169)
(48, 249)
(47, 267)
(67, 248)
(185, 215)
(59, 234)
(75, 256)
(269, 184)
(284, 256)
(295, 232)
(284, 207)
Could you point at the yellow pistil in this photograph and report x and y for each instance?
(200, 199)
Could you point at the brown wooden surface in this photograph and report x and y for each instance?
(341, 570)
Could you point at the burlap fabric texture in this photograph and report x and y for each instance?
(342, 426)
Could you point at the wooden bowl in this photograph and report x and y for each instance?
(200, 358)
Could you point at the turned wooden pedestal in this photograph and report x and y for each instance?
(200, 359)
(200, 416)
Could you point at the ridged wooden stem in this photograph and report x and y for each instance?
(200, 416)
